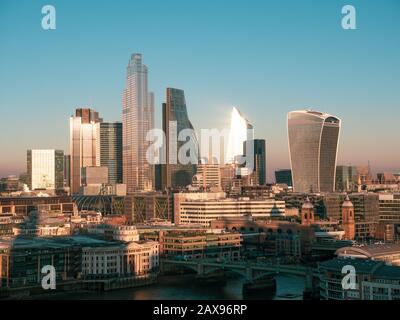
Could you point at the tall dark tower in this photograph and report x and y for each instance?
(175, 118)
(259, 156)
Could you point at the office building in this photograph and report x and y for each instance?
(197, 244)
(259, 173)
(284, 176)
(374, 281)
(313, 143)
(67, 170)
(111, 150)
(202, 208)
(175, 119)
(241, 130)
(45, 169)
(26, 204)
(346, 178)
(137, 121)
(84, 144)
(208, 176)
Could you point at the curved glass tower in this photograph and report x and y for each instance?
(313, 143)
(174, 173)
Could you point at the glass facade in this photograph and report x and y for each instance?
(137, 120)
(260, 161)
(111, 150)
(84, 150)
(313, 142)
(175, 174)
(45, 169)
(284, 176)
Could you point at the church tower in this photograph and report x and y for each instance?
(348, 221)
(307, 213)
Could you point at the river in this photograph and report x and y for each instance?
(184, 287)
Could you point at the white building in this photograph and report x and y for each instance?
(202, 208)
(131, 259)
(45, 169)
(126, 233)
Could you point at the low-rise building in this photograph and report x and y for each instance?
(120, 259)
(202, 208)
(374, 280)
(389, 253)
(198, 244)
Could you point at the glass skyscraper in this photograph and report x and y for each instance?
(45, 169)
(111, 150)
(174, 173)
(137, 121)
(260, 160)
(241, 130)
(84, 150)
(313, 143)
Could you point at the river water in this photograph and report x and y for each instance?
(184, 287)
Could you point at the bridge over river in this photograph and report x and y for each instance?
(252, 271)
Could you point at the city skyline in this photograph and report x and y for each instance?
(360, 81)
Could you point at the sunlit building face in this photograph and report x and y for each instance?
(240, 131)
(45, 169)
(313, 143)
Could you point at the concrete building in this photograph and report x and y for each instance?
(374, 280)
(198, 244)
(207, 177)
(313, 143)
(130, 259)
(24, 205)
(389, 253)
(202, 208)
(45, 169)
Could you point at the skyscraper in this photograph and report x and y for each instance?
(111, 150)
(240, 131)
(174, 120)
(67, 170)
(260, 160)
(284, 176)
(45, 169)
(346, 178)
(84, 145)
(313, 143)
(137, 121)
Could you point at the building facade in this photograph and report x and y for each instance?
(284, 176)
(111, 150)
(174, 120)
(260, 160)
(45, 169)
(137, 121)
(313, 144)
(190, 209)
(84, 144)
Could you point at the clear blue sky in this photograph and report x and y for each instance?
(265, 57)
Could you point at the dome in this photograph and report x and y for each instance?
(347, 203)
(307, 204)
